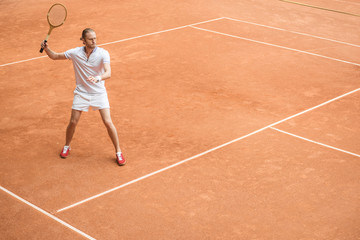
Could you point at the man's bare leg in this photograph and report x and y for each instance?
(70, 130)
(105, 115)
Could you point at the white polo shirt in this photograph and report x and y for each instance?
(85, 67)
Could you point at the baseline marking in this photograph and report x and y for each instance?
(299, 33)
(274, 45)
(347, 2)
(126, 39)
(312, 141)
(204, 153)
(321, 8)
(47, 214)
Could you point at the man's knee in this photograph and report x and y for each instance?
(73, 122)
(108, 124)
(75, 117)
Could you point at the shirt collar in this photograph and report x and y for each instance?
(92, 51)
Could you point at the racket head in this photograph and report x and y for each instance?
(56, 15)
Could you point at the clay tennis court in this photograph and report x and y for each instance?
(238, 120)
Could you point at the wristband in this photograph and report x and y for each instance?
(98, 78)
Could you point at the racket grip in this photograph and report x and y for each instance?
(42, 49)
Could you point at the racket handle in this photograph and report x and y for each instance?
(42, 49)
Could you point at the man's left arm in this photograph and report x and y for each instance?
(105, 75)
(107, 72)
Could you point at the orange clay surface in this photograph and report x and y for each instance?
(177, 94)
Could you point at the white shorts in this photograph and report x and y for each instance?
(82, 101)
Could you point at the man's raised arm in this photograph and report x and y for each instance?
(53, 55)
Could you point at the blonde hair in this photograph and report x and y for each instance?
(84, 32)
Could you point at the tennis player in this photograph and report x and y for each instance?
(92, 67)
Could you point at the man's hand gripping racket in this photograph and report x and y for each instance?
(55, 17)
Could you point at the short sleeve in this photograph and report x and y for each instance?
(106, 57)
(69, 54)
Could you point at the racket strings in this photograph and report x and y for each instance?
(57, 15)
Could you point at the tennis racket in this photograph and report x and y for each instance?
(56, 17)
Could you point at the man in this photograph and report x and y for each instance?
(92, 67)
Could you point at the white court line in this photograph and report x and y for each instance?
(299, 33)
(274, 45)
(347, 2)
(21, 61)
(190, 25)
(167, 30)
(322, 144)
(123, 40)
(203, 153)
(47, 214)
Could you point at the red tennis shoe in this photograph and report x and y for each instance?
(65, 152)
(120, 159)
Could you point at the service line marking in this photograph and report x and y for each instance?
(275, 45)
(190, 25)
(163, 31)
(21, 61)
(204, 153)
(312, 141)
(299, 33)
(47, 214)
(123, 40)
